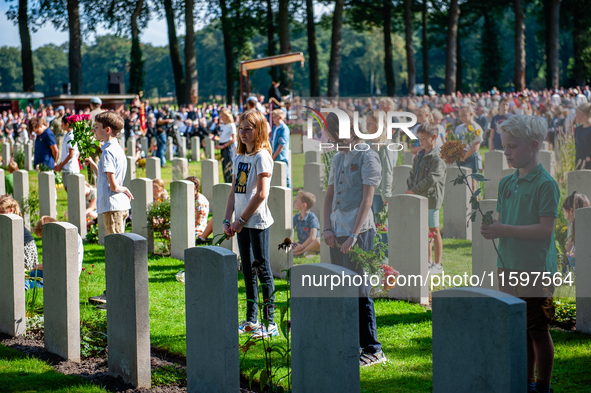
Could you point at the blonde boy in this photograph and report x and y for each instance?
(528, 206)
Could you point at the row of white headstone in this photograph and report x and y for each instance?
(493, 354)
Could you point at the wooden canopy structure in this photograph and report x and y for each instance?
(264, 62)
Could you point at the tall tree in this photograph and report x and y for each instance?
(175, 54)
(336, 49)
(459, 65)
(410, 55)
(519, 77)
(452, 42)
(271, 36)
(190, 54)
(388, 58)
(75, 47)
(312, 50)
(136, 64)
(226, 29)
(285, 43)
(491, 67)
(21, 17)
(425, 48)
(552, 11)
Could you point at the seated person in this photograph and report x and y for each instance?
(10, 206)
(90, 197)
(201, 207)
(9, 177)
(160, 193)
(38, 231)
(306, 224)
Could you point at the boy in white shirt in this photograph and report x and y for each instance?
(70, 154)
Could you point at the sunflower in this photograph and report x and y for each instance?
(478, 132)
(471, 128)
(452, 151)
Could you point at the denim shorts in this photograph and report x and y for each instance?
(433, 218)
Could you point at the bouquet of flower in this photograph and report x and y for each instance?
(83, 136)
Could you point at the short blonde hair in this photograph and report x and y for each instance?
(228, 114)
(585, 109)
(466, 108)
(527, 128)
(279, 113)
(38, 230)
(158, 183)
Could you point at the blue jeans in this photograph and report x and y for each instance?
(161, 147)
(376, 206)
(253, 244)
(368, 334)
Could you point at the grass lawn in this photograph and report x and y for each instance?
(403, 328)
(22, 374)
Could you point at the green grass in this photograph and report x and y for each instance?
(403, 328)
(22, 374)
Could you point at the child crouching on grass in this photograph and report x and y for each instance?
(252, 171)
(528, 206)
(306, 224)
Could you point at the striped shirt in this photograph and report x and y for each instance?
(112, 160)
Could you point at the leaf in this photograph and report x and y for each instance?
(263, 377)
(478, 191)
(478, 177)
(251, 376)
(488, 217)
(283, 328)
(278, 350)
(472, 218)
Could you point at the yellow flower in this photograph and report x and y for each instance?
(471, 128)
(478, 132)
(452, 151)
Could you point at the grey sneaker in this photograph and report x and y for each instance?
(248, 327)
(367, 359)
(437, 268)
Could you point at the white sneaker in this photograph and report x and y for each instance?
(248, 327)
(262, 332)
(436, 268)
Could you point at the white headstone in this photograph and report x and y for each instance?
(169, 153)
(180, 168)
(47, 194)
(2, 182)
(408, 229)
(6, 153)
(408, 158)
(142, 192)
(314, 183)
(583, 265)
(313, 156)
(281, 207)
(195, 149)
(484, 256)
(548, 162)
(21, 192)
(12, 288)
(494, 164)
(145, 144)
(182, 217)
(209, 149)
(29, 158)
(77, 203)
(279, 178)
(131, 146)
(131, 171)
(153, 168)
(210, 176)
(400, 175)
(579, 181)
(456, 206)
(221, 192)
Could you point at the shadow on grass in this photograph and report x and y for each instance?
(403, 319)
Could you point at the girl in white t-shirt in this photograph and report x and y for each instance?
(227, 143)
(253, 168)
(70, 154)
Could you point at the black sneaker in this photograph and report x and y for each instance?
(98, 299)
(199, 241)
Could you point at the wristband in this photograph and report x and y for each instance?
(241, 220)
(326, 229)
(353, 236)
(224, 222)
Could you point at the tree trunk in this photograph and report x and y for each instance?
(554, 44)
(190, 54)
(312, 50)
(519, 77)
(425, 49)
(388, 58)
(136, 67)
(226, 26)
(459, 70)
(285, 43)
(578, 46)
(26, 53)
(75, 50)
(451, 55)
(175, 55)
(410, 55)
(336, 49)
(271, 37)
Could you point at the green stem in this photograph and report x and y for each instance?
(481, 213)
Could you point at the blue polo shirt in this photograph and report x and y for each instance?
(304, 226)
(280, 137)
(43, 145)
